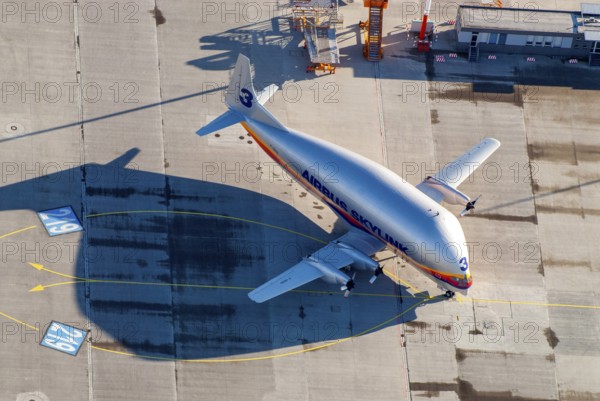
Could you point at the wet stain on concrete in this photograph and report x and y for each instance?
(579, 396)
(434, 116)
(417, 325)
(578, 211)
(466, 392)
(112, 346)
(553, 152)
(125, 243)
(302, 315)
(150, 348)
(460, 354)
(131, 307)
(432, 389)
(551, 337)
(158, 16)
(483, 91)
(110, 192)
(190, 312)
(503, 217)
(568, 263)
(587, 152)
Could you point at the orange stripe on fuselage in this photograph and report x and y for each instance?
(446, 277)
(301, 179)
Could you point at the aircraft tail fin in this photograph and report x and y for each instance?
(243, 101)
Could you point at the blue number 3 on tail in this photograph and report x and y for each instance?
(246, 97)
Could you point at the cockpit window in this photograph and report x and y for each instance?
(432, 213)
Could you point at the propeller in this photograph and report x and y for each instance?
(376, 274)
(470, 206)
(348, 286)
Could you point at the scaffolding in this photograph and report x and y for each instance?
(491, 3)
(317, 19)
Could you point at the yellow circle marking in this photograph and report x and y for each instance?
(78, 280)
(315, 348)
(265, 357)
(17, 231)
(222, 216)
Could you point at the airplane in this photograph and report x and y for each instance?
(383, 210)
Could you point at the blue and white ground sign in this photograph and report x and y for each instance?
(60, 221)
(63, 338)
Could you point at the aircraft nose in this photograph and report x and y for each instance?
(457, 262)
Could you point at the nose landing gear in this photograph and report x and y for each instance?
(449, 294)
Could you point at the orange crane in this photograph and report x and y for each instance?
(373, 29)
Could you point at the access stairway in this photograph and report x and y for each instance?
(373, 29)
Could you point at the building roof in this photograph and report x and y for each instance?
(590, 9)
(518, 20)
(589, 22)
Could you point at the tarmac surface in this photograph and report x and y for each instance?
(100, 102)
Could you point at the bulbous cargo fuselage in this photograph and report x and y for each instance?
(376, 200)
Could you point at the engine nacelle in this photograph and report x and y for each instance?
(451, 194)
(330, 273)
(361, 260)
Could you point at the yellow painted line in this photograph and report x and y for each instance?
(19, 321)
(203, 286)
(398, 279)
(4, 314)
(17, 231)
(222, 216)
(315, 292)
(93, 281)
(532, 303)
(40, 267)
(78, 280)
(266, 357)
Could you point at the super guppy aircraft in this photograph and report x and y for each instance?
(382, 209)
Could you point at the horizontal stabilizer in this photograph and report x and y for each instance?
(267, 93)
(230, 117)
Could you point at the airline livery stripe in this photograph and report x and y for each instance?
(446, 277)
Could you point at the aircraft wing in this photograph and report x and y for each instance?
(354, 247)
(442, 185)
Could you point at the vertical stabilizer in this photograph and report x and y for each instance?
(243, 101)
(242, 98)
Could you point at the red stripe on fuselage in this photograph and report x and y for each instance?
(434, 273)
(302, 180)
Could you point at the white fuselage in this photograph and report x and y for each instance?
(376, 200)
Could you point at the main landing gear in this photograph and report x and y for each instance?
(449, 294)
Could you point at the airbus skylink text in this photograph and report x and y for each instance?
(355, 215)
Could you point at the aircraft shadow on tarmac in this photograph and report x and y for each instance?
(148, 263)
